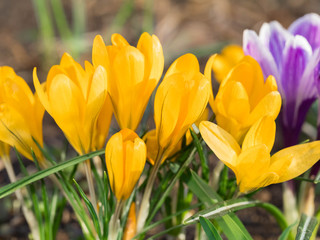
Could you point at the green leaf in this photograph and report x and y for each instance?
(222, 208)
(230, 224)
(285, 234)
(209, 229)
(190, 155)
(90, 208)
(10, 188)
(204, 165)
(306, 227)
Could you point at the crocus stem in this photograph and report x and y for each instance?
(289, 203)
(28, 214)
(216, 175)
(145, 203)
(114, 223)
(90, 184)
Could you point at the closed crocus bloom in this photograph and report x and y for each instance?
(224, 62)
(125, 160)
(74, 97)
(21, 114)
(133, 74)
(252, 164)
(244, 97)
(292, 57)
(180, 100)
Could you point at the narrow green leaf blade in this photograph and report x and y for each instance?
(285, 234)
(306, 227)
(10, 188)
(230, 224)
(209, 229)
(204, 165)
(222, 208)
(90, 208)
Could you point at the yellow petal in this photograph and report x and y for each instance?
(102, 125)
(151, 141)
(268, 106)
(298, 158)
(167, 107)
(251, 164)
(115, 164)
(66, 102)
(99, 53)
(75, 72)
(207, 74)
(118, 40)
(187, 64)
(98, 84)
(136, 155)
(221, 143)
(233, 53)
(235, 101)
(131, 225)
(14, 130)
(262, 132)
(151, 48)
(128, 69)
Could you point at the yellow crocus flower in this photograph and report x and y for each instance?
(21, 114)
(74, 97)
(133, 74)
(244, 97)
(221, 64)
(179, 102)
(224, 62)
(252, 164)
(125, 159)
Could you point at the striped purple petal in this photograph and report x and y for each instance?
(296, 55)
(253, 46)
(309, 27)
(274, 37)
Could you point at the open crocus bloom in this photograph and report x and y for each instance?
(292, 57)
(21, 114)
(74, 97)
(133, 74)
(244, 97)
(251, 163)
(179, 102)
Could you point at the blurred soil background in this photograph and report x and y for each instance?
(36, 34)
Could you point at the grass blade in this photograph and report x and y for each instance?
(90, 208)
(10, 188)
(285, 234)
(230, 224)
(209, 229)
(222, 208)
(306, 227)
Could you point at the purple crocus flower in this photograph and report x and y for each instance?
(292, 56)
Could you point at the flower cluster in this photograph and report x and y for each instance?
(120, 81)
